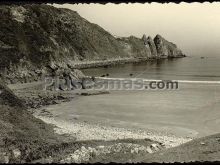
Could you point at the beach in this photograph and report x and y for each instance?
(106, 119)
(88, 131)
(91, 140)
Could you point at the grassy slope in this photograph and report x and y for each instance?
(51, 34)
(19, 129)
(202, 149)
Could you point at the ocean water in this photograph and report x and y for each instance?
(189, 68)
(192, 110)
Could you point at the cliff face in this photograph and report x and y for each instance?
(42, 33)
(135, 47)
(35, 36)
(151, 48)
(150, 43)
(166, 48)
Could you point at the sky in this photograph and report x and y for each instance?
(194, 27)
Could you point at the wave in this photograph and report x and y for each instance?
(148, 80)
(182, 75)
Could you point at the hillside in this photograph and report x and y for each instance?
(202, 149)
(21, 133)
(35, 37)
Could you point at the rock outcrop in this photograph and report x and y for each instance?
(166, 48)
(150, 48)
(135, 47)
(151, 44)
(35, 36)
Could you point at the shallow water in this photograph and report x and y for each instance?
(192, 110)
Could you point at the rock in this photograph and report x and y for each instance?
(67, 160)
(4, 158)
(48, 160)
(148, 149)
(75, 158)
(136, 150)
(152, 46)
(142, 148)
(90, 149)
(166, 48)
(202, 143)
(155, 147)
(101, 147)
(162, 144)
(83, 148)
(17, 153)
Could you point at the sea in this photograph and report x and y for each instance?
(192, 110)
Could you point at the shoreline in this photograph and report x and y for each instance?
(112, 62)
(38, 100)
(104, 143)
(85, 131)
(78, 65)
(79, 132)
(91, 143)
(103, 63)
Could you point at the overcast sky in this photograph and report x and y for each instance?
(194, 27)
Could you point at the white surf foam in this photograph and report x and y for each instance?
(148, 80)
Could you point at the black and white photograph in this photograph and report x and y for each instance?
(111, 82)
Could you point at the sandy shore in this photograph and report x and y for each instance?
(93, 141)
(87, 131)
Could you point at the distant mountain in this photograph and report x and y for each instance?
(35, 36)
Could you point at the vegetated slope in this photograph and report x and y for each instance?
(34, 36)
(135, 47)
(21, 134)
(202, 149)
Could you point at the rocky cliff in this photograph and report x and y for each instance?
(35, 37)
(166, 48)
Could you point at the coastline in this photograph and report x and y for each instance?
(89, 131)
(91, 142)
(112, 62)
(38, 101)
(97, 142)
(103, 63)
(104, 144)
(75, 66)
(80, 131)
